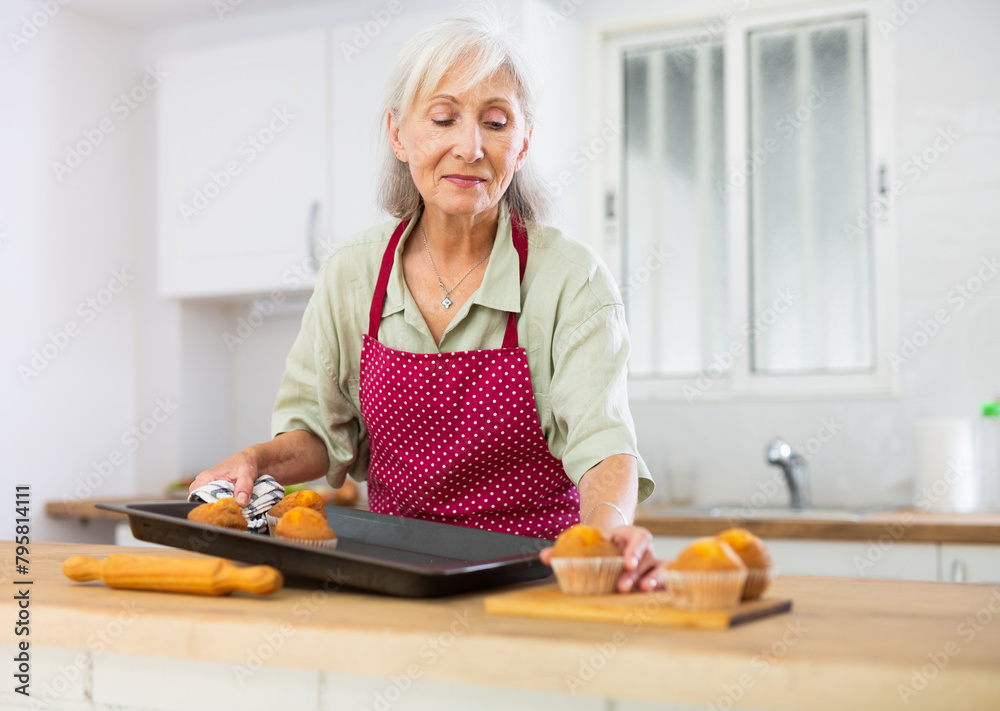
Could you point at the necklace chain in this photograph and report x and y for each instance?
(446, 301)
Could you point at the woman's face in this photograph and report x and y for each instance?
(463, 145)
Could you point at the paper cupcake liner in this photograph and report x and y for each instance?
(757, 581)
(328, 543)
(587, 576)
(705, 590)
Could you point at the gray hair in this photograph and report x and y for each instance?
(479, 38)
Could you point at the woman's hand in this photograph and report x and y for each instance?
(641, 566)
(642, 570)
(291, 458)
(240, 468)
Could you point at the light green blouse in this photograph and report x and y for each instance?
(571, 322)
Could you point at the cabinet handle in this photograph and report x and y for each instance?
(311, 235)
(958, 574)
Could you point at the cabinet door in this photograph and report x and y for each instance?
(241, 142)
(970, 563)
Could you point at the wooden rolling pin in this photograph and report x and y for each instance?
(184, 575)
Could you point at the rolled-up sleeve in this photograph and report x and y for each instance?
(588, 394)
(311, 396)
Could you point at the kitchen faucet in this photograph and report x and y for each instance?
(793, 464)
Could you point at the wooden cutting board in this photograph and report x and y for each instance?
(636, 609)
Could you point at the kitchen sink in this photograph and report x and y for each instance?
(746, 512)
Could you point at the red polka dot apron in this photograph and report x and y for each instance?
(455, 437)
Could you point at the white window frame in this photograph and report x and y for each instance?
(740, 383)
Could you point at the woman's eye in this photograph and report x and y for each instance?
(443, 122)
(497, 125)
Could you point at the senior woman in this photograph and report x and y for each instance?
(465, 358)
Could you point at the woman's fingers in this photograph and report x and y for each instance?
(243, 486)
(631, 579)
(546, 555)
(239, 469)
(634, 542)
(654, 579)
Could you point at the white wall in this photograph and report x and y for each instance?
(64, 242)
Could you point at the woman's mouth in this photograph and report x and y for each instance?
(464, 181)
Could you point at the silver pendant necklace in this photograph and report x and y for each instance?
(446, 301)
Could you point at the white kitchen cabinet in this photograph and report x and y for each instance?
(854, 559)
(242, 166)
(970, 563)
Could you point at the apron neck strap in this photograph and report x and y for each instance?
(375, 314)
(519, 237)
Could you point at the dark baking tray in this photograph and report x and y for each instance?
(375, 552)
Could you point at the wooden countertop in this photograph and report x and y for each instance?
(900, 525)
(848, 643)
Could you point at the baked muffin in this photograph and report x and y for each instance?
(304, 497)
(754, 554)
(224, 512)
(306, 526)
(707, 574)
(586, 563)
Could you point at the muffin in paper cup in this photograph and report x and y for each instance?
(758, 580)
(327, 543)
(272, 524)
(588, 576)
(706, 589)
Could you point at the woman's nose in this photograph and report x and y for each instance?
(469, 142)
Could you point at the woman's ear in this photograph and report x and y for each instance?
(393, 130)
(523, 155)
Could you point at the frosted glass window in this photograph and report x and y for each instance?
(812, 292)
(674, 216)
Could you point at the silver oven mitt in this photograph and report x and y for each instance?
(266, 493)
